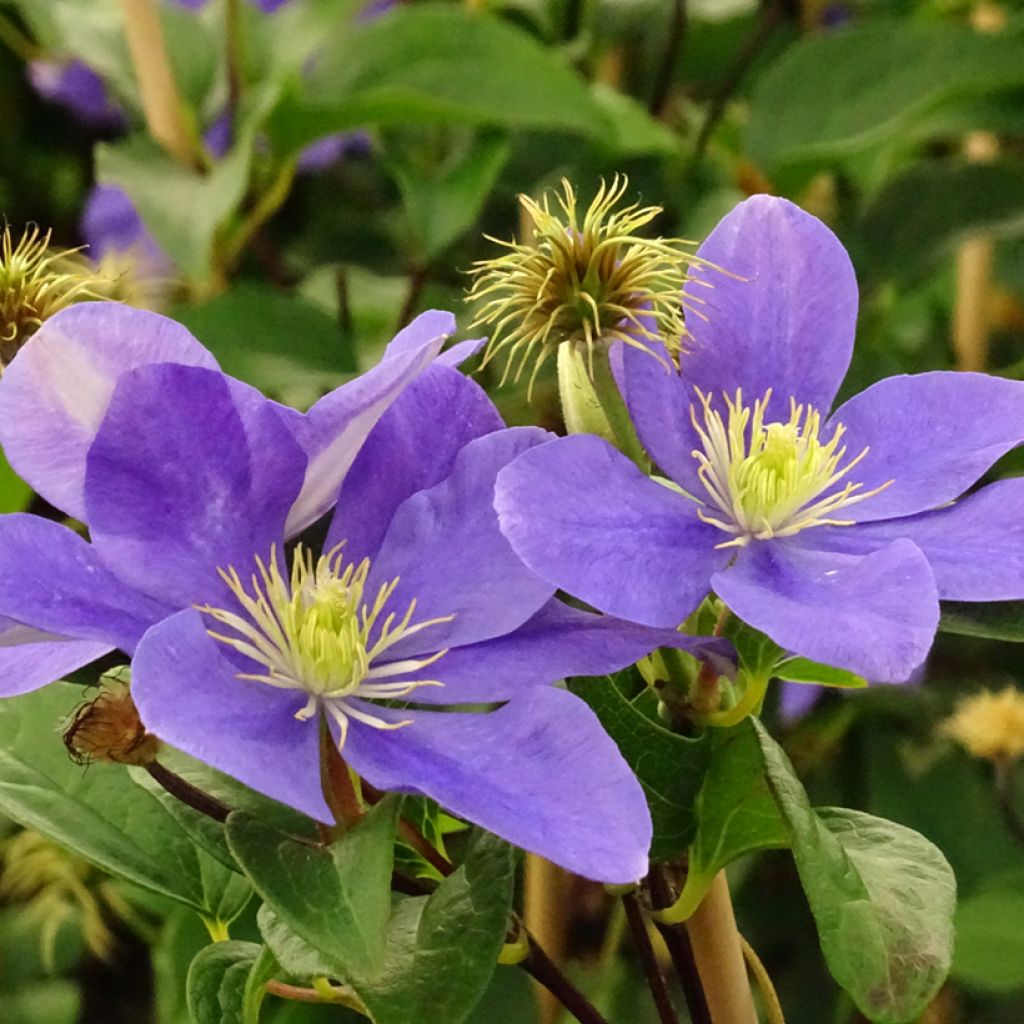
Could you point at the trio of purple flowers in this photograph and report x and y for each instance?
(432, 598)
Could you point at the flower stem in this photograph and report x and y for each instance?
(187, 793)
(161, 102)
(718, 952)
(336, 781)
(541, 968)
(614, 407)
(677, 939)
(648, 961)
(670, 57)
(770, 998)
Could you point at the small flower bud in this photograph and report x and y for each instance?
(108, 728)
(581, 283)
(989, 725)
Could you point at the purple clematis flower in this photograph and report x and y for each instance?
(417, 597)
(836, 536)
(166, 491)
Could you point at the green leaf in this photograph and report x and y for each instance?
(285, 346)
(920, 216)
(442, 950)
(336, 898)
(97, 812)
(255, 992)
(882, 897)
(736, 813)
(631, 129)
(670, 768)
(15, 494)
(443, 199)
(434, 63)
(992, 620)
(837, 93)
(990, 936)
(296, 956)
(802, 670)
(217, 980)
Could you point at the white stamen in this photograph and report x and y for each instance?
(312, 632)
(765, 480)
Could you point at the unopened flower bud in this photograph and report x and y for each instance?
(581, 284)
(36, 282)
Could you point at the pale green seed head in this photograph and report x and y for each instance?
(764, 480)
(579, 282)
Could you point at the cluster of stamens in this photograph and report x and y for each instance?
(316, 632)
(36, 282)
(581, 283)
(764, 480)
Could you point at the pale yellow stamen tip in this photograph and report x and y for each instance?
(774, 479)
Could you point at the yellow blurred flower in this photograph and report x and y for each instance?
(989, 725)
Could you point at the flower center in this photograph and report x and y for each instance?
(318, 632)
(766, 480)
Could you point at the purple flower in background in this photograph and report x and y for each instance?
(112, 228)
(418, 597)
(77, 87)
(167, 489)
(835, 536)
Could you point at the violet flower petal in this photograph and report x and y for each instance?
(190, 472)
(874, 614)
(540, 772)
(51, 579)
(112, 224)
(555, 643)
(189, 694)
(31, 658)
(974, 547)
(781, 317)
(412, 448)
(931, 434)
(659, 404)
(55, 392)
(583, 517)
(445, 546)
(334, 429)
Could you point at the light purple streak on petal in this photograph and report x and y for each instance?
(932, 434)
(428, 326)
(188, 693)
(31, 658)
(659, 404)
(583, 517)
(785, 320)
(975, 547)
(796, 699)
(74, 85)
(445, 546)
(56, 391)
(554, 644)
(334, 429)
(51, 579)
(461, 351)
(412, 448)
(540, 772)
(190, 472)
(875, 614)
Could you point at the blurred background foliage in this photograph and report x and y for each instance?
(900, 123)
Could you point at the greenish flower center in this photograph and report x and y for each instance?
(764, 480)
(320, 632)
